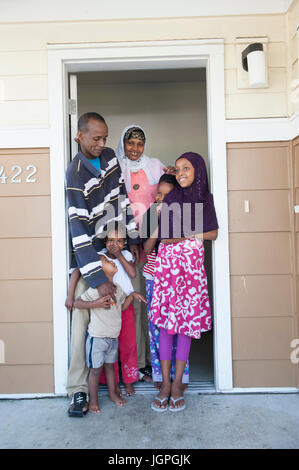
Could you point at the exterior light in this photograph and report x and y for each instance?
(253, 61)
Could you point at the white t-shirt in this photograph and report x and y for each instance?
(121, 278)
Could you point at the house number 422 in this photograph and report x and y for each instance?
(16, 176)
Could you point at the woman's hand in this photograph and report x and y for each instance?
(170, 170)
(139, 297)
(158, 209)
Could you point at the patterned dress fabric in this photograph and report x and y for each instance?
(180, 302)
(154, 335)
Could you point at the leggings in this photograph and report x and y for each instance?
(183, 346)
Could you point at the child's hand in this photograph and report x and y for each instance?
(103, 302)
(196, 236)
(69, 303)
(115, 250)
(139, 297)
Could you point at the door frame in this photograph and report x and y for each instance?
(71, 58)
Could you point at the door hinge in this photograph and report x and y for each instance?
(72, 106)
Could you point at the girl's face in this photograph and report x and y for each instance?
(114, 238)
(134, 148)
(163, 189)
(184, 172)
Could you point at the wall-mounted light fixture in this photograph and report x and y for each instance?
(253, 61)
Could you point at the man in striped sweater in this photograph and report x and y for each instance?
(96, 194)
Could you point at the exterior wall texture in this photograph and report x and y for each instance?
(26, 328)
(262, 263)
(23, 59)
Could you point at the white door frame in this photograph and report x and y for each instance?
(63, 59)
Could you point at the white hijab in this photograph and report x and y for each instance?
(152, 167)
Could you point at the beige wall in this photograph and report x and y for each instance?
(262, 267)
(23, 59)
(26, 321)
(293, 53)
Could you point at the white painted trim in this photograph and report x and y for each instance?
(220, 249)
(257, 130)
(161, 54)
(262, 390)
(236, 130)
(211, 391)
(57, 89)
(294, 120)
(133, 44)
(71, 10)
(30, 396)
(24, 136)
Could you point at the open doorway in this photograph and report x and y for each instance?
(171, 105)
(118, 57)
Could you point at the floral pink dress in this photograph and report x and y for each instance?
(180, 302)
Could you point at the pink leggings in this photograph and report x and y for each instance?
(182, 350)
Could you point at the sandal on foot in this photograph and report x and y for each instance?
(157, 408)
(179, 408)
(79, 401)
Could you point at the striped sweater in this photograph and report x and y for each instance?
(94, 198)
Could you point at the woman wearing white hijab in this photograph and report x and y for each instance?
(141, 174)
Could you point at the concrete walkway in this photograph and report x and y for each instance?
(215, 421)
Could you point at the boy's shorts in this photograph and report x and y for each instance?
(100, 350)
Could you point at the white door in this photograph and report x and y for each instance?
(73, 114)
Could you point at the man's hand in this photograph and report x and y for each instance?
(134, 249)
(107, 289)
(69, 303)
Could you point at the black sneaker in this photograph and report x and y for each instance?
(77, 404)
(148, 371)
(145, 374)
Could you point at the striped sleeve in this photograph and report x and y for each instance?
(86, 255)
